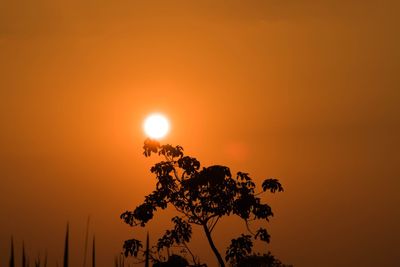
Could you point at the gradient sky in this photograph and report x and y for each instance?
(305, 91)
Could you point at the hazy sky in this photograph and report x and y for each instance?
(305, 91)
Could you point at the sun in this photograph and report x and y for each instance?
(156, 126)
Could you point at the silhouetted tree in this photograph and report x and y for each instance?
(202, 195)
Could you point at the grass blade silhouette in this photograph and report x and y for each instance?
(94, 253)
(66, 248)
(12, 259)
(147, 263)
(86, 241)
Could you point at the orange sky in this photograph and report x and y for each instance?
(305, 91)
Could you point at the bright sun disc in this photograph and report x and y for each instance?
(156, 126)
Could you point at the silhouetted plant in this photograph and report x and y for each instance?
(12, 258)
(239, 248)
(202, 196)
(23, 255)
(147, 252)
(86, 241)
(94, 252)
(173, 261)
(265, 260)
(66, 247)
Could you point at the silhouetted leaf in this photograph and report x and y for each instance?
(150, 146)
(132, 247)
(263, 235)
(272, 185)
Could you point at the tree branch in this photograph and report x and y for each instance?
(215, 223)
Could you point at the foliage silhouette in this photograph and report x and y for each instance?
(265, 260)
(202, 195)
(173, 261)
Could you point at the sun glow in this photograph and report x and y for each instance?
(156, 126)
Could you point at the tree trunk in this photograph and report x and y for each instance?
(214, 249)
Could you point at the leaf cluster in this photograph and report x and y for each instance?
(266, 259)
(181, 234)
